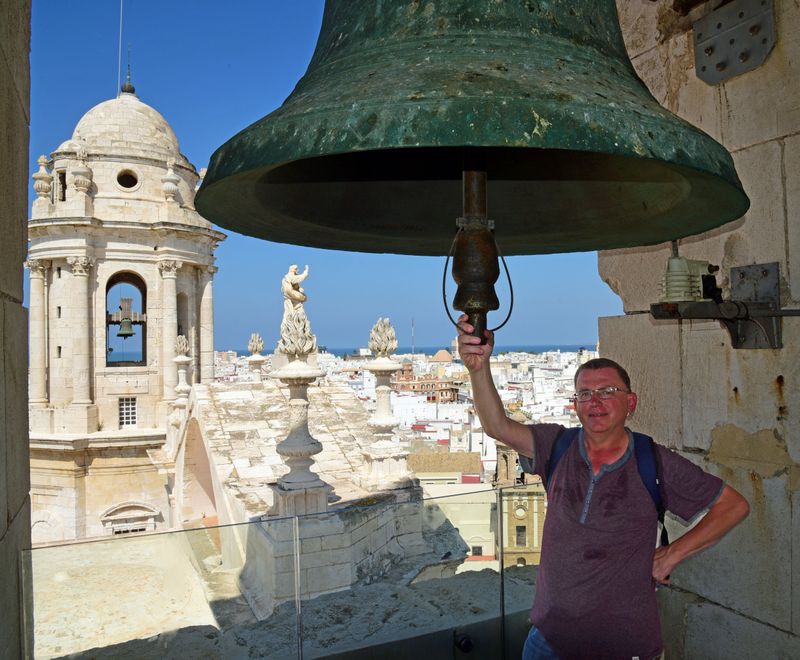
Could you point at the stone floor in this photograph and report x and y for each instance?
(106, 592)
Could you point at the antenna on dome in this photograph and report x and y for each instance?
(119, 56)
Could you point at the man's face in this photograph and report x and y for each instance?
(603, 415)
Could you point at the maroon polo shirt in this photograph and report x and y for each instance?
(595, 594)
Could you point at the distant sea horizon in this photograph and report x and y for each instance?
(431, 350)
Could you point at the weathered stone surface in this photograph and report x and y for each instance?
(795, 495)
(791, 155)
(748, 570)
(761, 105)
(14, 600)
(704, 347)
(14, 147)
(7, 467)
(635, 274)
(761, 236)
(714, 633)
(639, 19)
(15, 33)
(14, 502)
(668, 71)
(15, 359)
(672, 605)
(655, 375)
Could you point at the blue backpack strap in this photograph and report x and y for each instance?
(646, 461)
(560, 446)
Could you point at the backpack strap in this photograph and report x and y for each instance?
(646, 461)
(560, 446)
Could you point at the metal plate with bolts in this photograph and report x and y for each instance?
(733, 39)
(759, 283)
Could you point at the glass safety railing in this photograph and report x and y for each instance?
(449, 576)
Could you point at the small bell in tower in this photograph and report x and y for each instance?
(125, 323)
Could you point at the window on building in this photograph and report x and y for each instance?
(127, 411)
(58, 351)
(130, 518)
(127, 179)
(62, 185)
(127, 530)
(522, 535)
(58, 272)
(477, 550)
(58, 312)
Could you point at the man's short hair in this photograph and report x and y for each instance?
(605, 363)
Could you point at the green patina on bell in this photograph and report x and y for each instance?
(400, 97)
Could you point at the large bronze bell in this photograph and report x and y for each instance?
(402, 97)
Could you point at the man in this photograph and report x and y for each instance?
(595, 592)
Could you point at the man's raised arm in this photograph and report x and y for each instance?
(487, 402)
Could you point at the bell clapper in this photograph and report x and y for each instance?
(475, 259)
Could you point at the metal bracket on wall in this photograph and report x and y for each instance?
(735, 38)
(752, 316)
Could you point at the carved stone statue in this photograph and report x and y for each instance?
(293, 294)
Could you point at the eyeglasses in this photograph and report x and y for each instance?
(603, 393)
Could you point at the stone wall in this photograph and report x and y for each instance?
(14, 471)
(735, 412)
(337, 550)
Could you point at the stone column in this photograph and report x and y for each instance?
(38, 332)
(169, 324)
(300, 491)
(177, 415)
(385, 461)
(207, 325)
(81, 345)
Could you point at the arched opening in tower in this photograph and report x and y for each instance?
(126, 320)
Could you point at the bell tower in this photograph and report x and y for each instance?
(120, 264)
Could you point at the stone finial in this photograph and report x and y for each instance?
(82, 177)
(181, 346)
(382, 339)
(169, 182)
(296, 338)
(42, 180)
(256, 344)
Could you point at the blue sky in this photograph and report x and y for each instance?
(211, 68)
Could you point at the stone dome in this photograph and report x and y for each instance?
(125, 126)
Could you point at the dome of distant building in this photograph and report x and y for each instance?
(442, 355)
(125, 126)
